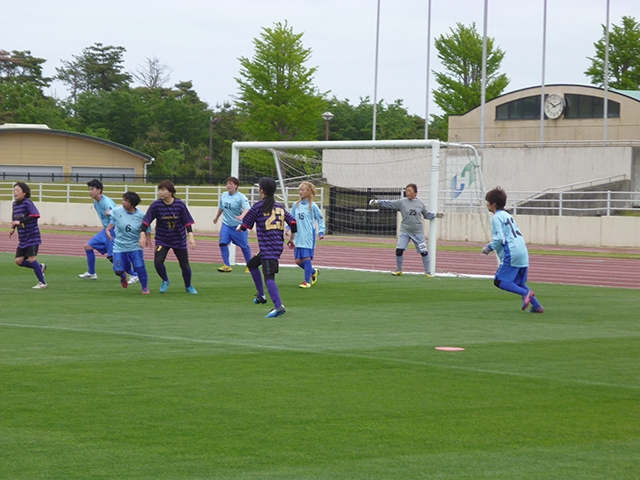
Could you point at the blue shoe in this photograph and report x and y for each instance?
(191, 290)
(276, 312)
(164, 286)
(123, 280)
(537, 310)
(260, 300)
(526, 299)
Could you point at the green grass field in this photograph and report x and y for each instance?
(97, 382)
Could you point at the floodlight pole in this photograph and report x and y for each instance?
(328, 116)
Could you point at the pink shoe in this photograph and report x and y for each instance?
(526, 299)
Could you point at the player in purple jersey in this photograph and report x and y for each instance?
(269, 218)
(173, 231)
(25, 220)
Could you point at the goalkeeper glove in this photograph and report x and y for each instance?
(373, 203)
(486, 250)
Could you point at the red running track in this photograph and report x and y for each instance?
(609, 272)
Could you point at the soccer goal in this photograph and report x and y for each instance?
(349, 174)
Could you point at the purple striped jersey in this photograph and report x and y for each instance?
(28, 232)
(171, 221)
(269, 228)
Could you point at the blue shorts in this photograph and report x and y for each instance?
(301, 253)
(122, 261)
(101, 242)
(507, 273)
(230, 234)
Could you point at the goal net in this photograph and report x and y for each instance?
(348, 174)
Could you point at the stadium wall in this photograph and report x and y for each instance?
(517, 168)
(615, 231)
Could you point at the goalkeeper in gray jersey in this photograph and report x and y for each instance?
(413, 211)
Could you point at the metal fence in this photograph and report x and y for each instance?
(192, 195)
(554, 203)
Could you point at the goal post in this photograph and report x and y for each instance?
(433, 145)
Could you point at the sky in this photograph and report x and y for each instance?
(202, 40)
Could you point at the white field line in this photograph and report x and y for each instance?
(322, 352)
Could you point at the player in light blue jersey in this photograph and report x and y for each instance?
(100, 242)
(307, 215)
(233, 206)
(509, 245)
(127, 223)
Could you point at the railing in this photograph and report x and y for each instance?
(198, 196)
(575, 203)
(548, 202)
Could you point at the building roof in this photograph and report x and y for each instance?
(44, 130)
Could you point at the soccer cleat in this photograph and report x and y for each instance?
(133, 279)
(305, 285)
(314, 277)
(145, 291)
(428, 275)
(537, 310)
(225, 269)
(276, 312)
(164, 285)
(40, 285)
(43, 267)
(260, 300)
(191, 290)
(526, 299)
(246, 270)
(123, 280)
(397, 273)
(89, 276)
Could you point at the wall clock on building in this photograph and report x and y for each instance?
(554, 106)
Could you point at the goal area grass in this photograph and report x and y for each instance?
(101, 382)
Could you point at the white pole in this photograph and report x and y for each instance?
(544, 52)
(606, 78)
(433, 205)
(483, 93)
(375, 76)
(426, 115)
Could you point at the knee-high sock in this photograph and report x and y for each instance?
(143, 276)
(246, 253)
(513, 288)
(224, 251)
(91, 260)
(274, 293)
(308, 270)
(399, 262)
(535, 303)
(257, 280)
(36, 268)
(186, 276)
(425, 262)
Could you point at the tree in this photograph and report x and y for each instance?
(354, 122)
(97, 68)
(153, 74)
(461, 55)
(278, 100)
(624, 57)
(22, 67)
